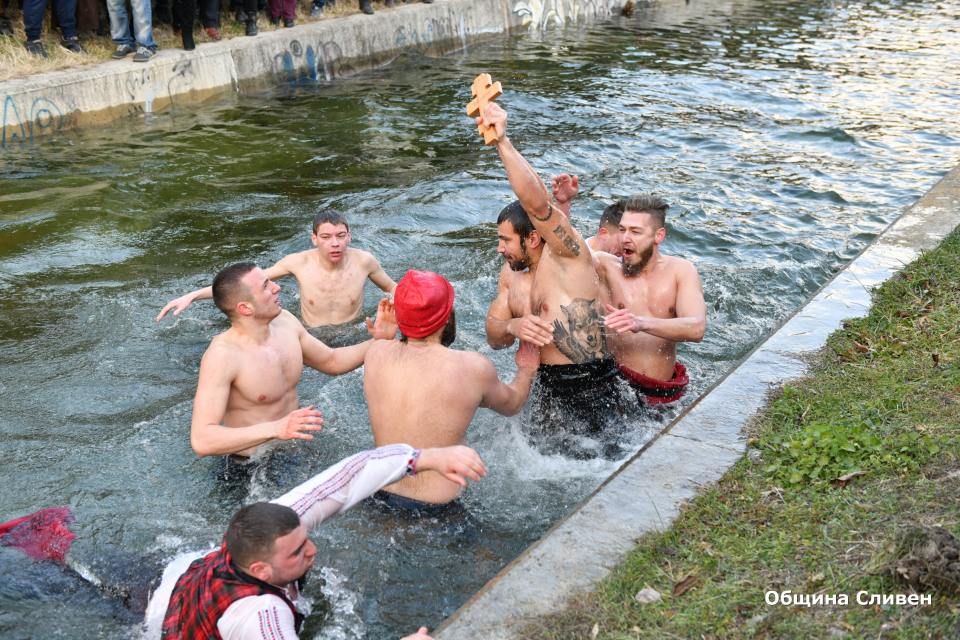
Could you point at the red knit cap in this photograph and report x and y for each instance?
(423, 302)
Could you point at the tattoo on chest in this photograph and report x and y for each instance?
(580, 338)
(568, 242)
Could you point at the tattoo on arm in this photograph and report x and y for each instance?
(568, 242)
(546, 217)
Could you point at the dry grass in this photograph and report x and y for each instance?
(16, 62)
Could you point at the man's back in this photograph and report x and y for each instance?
(424, 395)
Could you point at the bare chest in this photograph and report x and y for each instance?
(340, 290)
(653, 296)
(269, 372)
(519, 298)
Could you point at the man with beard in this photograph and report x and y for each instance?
(657, 301)
(577, 380)
(421, 392)
(247, 390)
(509, 316)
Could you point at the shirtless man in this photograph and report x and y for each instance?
(657, 301)
(510, 316)
(424, 394)
(608, 236)
(577, 380)
(247, 392)
(330, 277)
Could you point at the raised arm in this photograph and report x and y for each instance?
(553, 225)
(565, 189)
(508, 399)
(690, 323)
(275, 272)
(208, 436)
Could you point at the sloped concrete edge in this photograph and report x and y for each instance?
(698, 447)
(322, 51)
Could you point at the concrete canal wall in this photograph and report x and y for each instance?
(323, 50)
(645, 494)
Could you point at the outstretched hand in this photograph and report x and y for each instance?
(497, 117)
(621, 320)
(419, 635)
(385, 327)
(565, 188)
(290, 426)
(528, 356)
(180, 304)
(453, 463)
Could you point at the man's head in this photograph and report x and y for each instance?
(641, 230)
(268, 542)
(244, 290)
(423, 303)
(608, 237)
(331, 234)
(519, 242)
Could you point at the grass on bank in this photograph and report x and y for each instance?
(16, 62)
(884, 399)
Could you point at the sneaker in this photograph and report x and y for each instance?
(275, 21)
(6, 29)
(212, 33)
(287, 23)
(316, 12)
(122, 52)
(73, 46)
(144, 54)
(252, 23)
(365, 7)
(36, 48)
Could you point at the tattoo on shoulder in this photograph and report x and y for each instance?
(580, 338)
(568, 242)
(546, 217)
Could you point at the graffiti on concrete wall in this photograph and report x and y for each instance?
(323, 62)
(44, 115)
(540, 14)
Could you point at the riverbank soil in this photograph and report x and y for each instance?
(17, 62)
(883, 398)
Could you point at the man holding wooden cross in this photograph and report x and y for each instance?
(577, 380)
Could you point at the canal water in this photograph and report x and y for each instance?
(786, 135)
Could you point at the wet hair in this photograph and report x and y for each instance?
(449, 330)
(332, 216)
(645, 203)
(227, 286)
(253, 531)
(518, 217)
(610, 218)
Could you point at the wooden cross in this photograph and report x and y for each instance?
(485, 91)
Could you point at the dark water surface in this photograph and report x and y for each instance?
(786, 134)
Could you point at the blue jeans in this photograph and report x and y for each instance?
(66, 11)
(142, 23)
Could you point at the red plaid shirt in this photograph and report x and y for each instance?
(206, 591)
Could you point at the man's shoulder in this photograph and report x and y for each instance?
(678, 265)
(473, 362)
(363, 258)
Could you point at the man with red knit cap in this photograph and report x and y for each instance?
(422, 393)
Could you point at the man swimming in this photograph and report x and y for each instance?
(423, 393)
(331, 277)
(247, 391)
(510, 316)
(656, 302)
(577, 380)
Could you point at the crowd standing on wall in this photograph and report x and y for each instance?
(132, 30)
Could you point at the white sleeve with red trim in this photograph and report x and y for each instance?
(349, 481)
(265, 617)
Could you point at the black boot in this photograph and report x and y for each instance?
(187, 35)
(6, 29)
(241, 15)
(365, 7)
(251, 23)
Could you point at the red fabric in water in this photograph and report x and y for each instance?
(42, 536)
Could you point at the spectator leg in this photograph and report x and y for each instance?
(119, 23)
(143, 23)
(33, 12)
